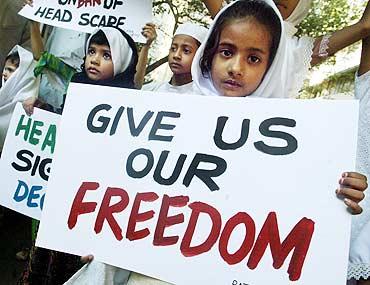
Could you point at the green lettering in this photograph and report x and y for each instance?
(25, 128)
(35, 132)
(50, 138)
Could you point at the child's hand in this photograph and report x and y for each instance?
(87, 258)
(352, 186)
(28, 105)
(150, 33)
(28, 2)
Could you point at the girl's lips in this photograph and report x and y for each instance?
(92, 70)
(232, 84)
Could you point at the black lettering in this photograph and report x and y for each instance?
(116, 120)
(150, 162)
(135, 131)
(44, 171)
(221, 144)
(40, 11)
(65, 14)
(49, 13)
(205, 174)
(176, 172)
(158, 125)
(21, 155)
(264, 128)
(104, 120)
(84, 19)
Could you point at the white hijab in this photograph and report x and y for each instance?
(119, 47)
(274, 84)
(21, 85)
(297, 16)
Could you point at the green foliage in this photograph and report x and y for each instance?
(328, 16)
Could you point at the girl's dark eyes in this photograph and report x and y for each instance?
(226, 53)
(91, 51)
(107, 56)
(254, 59)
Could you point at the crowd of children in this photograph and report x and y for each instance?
(268, 61)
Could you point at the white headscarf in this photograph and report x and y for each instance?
(297, 16)
(193, 30)
(275, 82)
(119, 47)
(20, 86)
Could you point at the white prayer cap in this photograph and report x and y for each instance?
(119, 48)
(193, 30)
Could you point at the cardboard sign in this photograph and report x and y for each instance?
(88, 15)
(203, 190)
(26, 160)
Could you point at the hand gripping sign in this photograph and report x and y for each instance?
(202, 190)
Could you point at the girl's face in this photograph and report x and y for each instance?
(9, 69)
(181, 54)
(286, 7)
(98, 62)
(242, 58)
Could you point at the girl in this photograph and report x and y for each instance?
(110, 60)
(305, 52)
(229, 64)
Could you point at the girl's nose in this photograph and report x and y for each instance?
(235, 67)
(95, 59)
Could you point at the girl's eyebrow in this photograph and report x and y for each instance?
(251, 49)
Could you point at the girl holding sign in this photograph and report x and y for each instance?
(306, 52)
(110, 60)
(230, 63)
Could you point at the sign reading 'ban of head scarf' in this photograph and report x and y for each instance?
(87, 15)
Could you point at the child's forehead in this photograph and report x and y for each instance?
(10, 62)
(99, 46)
(183, 39)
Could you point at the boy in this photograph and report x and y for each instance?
(186, 41)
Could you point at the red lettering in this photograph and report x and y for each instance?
(135, 216)
(165, 221)
(79, 207)
(86, 3)
(106, 211)
(242, 252)
(299, 239)
(197, 208)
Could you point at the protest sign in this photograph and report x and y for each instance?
(87, 15)
(197, 189)
(26, 160)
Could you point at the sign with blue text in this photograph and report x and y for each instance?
(26, 160)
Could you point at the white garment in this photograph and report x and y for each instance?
(139, 279)
(21, 85)
(52, 88)
(68, 45)
(189, 88)
(297, 16)
(359, 258)
(119, 47)
(277, 80)
(193, 30)
(98, 273)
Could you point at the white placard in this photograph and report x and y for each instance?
(87, 15)
(26, 160)
(122, 202)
